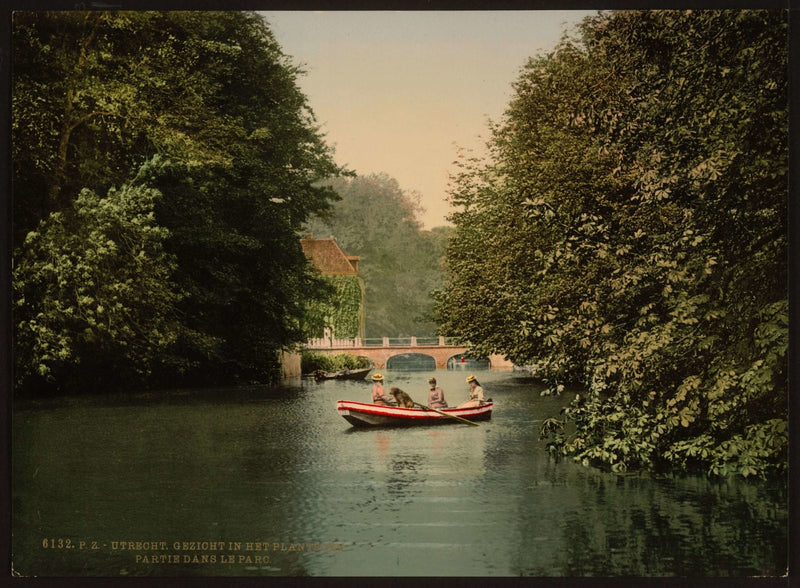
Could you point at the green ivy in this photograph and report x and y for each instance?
(343, 311)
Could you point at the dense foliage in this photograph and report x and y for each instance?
(400, 262)
(223, 281)
(73, 283)
(628, 233)
(311, 361)
(341, 312)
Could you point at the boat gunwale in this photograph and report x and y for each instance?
(400, 412)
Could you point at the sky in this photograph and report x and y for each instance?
(401, 92)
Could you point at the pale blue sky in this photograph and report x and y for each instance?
(397, 92)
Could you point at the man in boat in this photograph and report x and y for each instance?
(475, 394)
(379, 396)
(436, 395)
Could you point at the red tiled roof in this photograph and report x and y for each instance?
(328, 257)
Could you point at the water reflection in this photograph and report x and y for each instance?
(404, 479)
(467, 363)
(661, 527)
(411, 362)
(436, 441)
(453, 500)
(383, 443)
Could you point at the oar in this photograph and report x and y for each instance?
(452, 416)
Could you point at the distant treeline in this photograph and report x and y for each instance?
(401, 263)
(629, 233)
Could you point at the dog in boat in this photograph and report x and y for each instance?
(401, 397)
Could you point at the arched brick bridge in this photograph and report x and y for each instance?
(379, 350)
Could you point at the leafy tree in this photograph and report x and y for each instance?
(234, 225)
(96, 94)
(400, 263)
(94, 299)
(629, 234)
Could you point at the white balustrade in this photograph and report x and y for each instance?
(356, 342)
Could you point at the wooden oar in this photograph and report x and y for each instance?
(452, 416)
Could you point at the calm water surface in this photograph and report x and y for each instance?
(202, 479)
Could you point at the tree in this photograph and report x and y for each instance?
(634, 216)
(93, 295)
(96, 94)
(400, 263)
(235, 224)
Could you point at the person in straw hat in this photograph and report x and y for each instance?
(475, 393)
(379, 396)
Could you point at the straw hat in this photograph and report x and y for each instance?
(377, 377)
(470, 378)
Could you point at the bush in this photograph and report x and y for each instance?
(312, 361)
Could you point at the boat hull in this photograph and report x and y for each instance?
(360, 414)
(353, 375)
(342, 375)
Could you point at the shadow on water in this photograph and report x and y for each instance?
(171, 397)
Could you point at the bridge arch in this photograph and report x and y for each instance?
(411, 361)
(460, 361)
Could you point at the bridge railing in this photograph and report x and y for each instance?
(333, 343)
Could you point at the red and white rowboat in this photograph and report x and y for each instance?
(361, 414)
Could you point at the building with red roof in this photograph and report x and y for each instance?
(327, 257)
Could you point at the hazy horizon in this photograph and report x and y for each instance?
(400, 92)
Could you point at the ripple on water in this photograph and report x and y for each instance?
(450, 500)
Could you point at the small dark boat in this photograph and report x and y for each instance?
(343, 374)
(360, 414)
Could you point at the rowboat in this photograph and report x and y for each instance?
(342, 374)
(361, 414)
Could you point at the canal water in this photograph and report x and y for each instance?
(264, 482)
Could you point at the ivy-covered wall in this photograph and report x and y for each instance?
(343, 313)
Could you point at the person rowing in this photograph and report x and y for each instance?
(435, 395)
